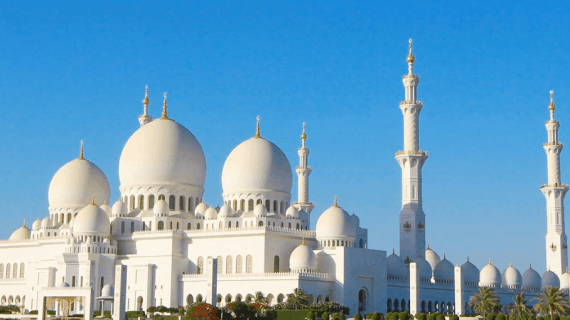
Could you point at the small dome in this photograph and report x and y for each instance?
(106, 208)
(303, 258)
(226, 211)
(89, 240)
(63, 285)
(160, 208)
(46, 223)
(550, 279)
(91, 220)
(107, 291)
(257, 165)
(470, 273)
(119, 208)
(444, 271)
(432, 257)
(565, 280)
(511, 278)
(425, 269)
(490, 276)
(396, 268)
(37, 224)
(211, 214)
(355, 220)
(201, 209)
(22, 233)
(162, 152)
(292, 213)
(260, 210)
(335, 223)
(74, 184)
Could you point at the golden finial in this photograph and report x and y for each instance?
(411, 58)
(164, 108)
(81, 151)
(24, 223)
(257, 134)
(335, 202)
(551, 107)
(93, 199)
(145, 101)
(303, 242)
(304, 135)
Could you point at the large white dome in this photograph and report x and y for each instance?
(257, 165)
(444, 271)
(432, 257)
(162, 152)
(396, 268)
(531, 280)
(74, 185)
(470, 273)
(303, 259)
(91, 220)
(511, 278)
(22, 233)
(550, 279)
(490, 276)
(335, 223)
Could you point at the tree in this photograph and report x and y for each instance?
(260, 298)
(484, 301)
(297, 298)
(552, 301)
(519, 310)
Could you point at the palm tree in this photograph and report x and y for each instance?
(519, 310)
(297, 298)
(484, 301)
(260, 298)
(552, 301)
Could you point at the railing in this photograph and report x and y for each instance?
(318, 275)
(411, 102)
(36, 239)
(552, 144)
(241, 229)
(411, 76)
(66, 288)
(412, 152)
(555, 185)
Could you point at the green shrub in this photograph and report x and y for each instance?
(433, 316)
(325, 316)
(33, 312)
(311, 315)
(501, 316)
(491, 316)
(440, 317)
(378, 316)
(403, 315)
(369, 315)
(357, 316)
(338, 316)
(453, 317)
(421, 316)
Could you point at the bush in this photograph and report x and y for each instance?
(311, 316)
(421, 316)
(404, 315)
(539, 318)
(433, 316)
(377, 316)
(501, 316)
(33, 312)
(338, 316)
(454, 317)
(491, 316)
(391, 316)
(97, 313)
(440, 317)
(50, 312)
(135, 314)
(357, 316)
(325, 316)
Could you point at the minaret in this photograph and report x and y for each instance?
(303, 172)
(554, 191)
(411, 160)
(145, 117)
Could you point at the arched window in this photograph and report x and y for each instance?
(151, 201)
(239, 263)
(229, 264)
(280, 298)
(200, 265)
(235, 205)
(171, 202)
(160, 225)
(289, 225)
(248, 264)
(361, 243)
(141, 202)
(260, 224)
(73, 281)
(102, 285)
(228, 298)
(132, 203)
(190, 207)
(161, 197)
(199, 298)
(238, 297)
(170, 226)
(189, 299)
(122, 227)
(132, 226)
(189, 226)
(150, 226)
(22, 268)
(237, 224)
(259, 201)
(403, 305)
(281, 207)
(196, 203)
(111, 228)
(15, 272)
(181, 203)
(220, 264)
(275, 206)
(1, 270)
(276, 264)
(221, 225)
(198, 226)
(177, 225)
(297, 226)
(250, 205)
(229, 224)
(242, 205)
(68, 218)
(55, 218)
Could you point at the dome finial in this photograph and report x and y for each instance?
(25, 225)
(304, 135)
(551, 106)
(411, 58)
(335, 202)
(444, 258)
(93, 199)
(490, 261)
(393, 251)
(81, 151)
(467, 258)
(428, 246)
(164, 108)
(303, 242)
(257, 132)
(145, 101)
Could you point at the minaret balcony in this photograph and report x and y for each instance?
(412, 153)
(554, 185)
(552, 144)
(411, 76)
(416, 102)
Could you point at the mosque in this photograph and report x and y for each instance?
(160, 244)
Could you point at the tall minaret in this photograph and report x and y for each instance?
(145, 117)
(554, 191)
(411, 160)
(303, 172)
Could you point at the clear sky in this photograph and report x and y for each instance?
(77, 70)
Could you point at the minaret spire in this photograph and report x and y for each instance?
(411, 160)
(303, 173)
(554, 191)
(145, 117)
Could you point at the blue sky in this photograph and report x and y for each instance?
(72, 71)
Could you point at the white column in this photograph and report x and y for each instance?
(459, 291)
(212, 281)
(414, 288)
(120, 292)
